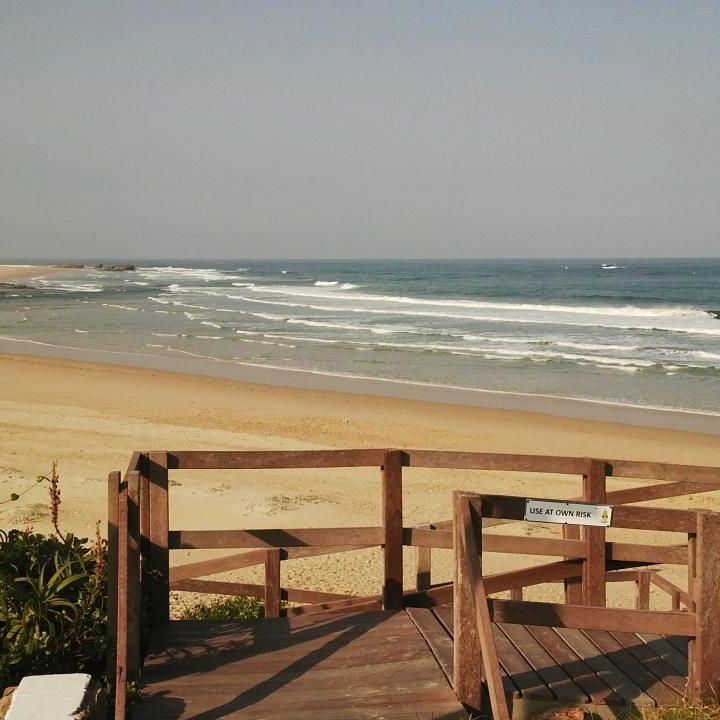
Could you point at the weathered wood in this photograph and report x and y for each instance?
(327, 666)
(495, 461)
(593, 582)
(145, 544)
(432, 597)
(526, 577)
(159, 556)
(467, 656)
(573, 585)
(642, 590)
(650, 554)
(621, 576)
(121, 657)
(112, 567)
(273, 459)
(562, 685)
(472, 536)
(437, 638)
(423, 561)
(704, 475)
(360, 605)
(521, 545)
(272, 582)
(649, 518)
(704, 680)
(585, 618)
(582, 674)
(135, 463)
(134, 599)
(420, 537)
(655, 492)
(423, 569)
(632, 667)
(267, 538)
(652, 662)
(392, 517)
(605, 669)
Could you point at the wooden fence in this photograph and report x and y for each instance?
(140, 541)
(475, 611)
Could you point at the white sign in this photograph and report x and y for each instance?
(570, 513)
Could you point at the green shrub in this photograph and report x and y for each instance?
(233, 608)
(53, 609)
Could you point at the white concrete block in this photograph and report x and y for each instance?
(73, 696)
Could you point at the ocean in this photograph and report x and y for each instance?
(638, 332)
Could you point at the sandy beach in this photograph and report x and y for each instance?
(90, 417)
(17, 272)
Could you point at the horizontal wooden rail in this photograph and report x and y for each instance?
(271, 538)
(272, 459)
(592, 618)
(495, 461)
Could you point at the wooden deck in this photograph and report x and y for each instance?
(541, 667)
(367, 665)
(394, 664)
(398, 654)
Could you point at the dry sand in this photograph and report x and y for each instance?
(14, 272)
(90, 417)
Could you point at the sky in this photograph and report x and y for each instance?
(371, 129)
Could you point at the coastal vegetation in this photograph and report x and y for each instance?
(53, 599)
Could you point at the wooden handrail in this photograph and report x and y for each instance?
(148, 539)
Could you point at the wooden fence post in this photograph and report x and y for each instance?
(392, 517)
(467, 676)
(704, 660)
(593, 578)
(423, 570)
(642, 588)
(159, 528)
(272, 583)
(574, 585)
(112, 568)
(121, 612)
(134, 609)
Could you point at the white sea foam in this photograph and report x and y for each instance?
(211, 324)
(123, 307)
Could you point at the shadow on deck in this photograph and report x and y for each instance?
(367, 665)
(394, 664)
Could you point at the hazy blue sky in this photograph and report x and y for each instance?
(359, 129)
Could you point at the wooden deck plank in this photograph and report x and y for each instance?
(525, 681)
(437, 638)
(661, 669)
(392, 665)
(366, 665)
(632, 667)
(597, 689)
(667, 651)
(604, 668)
(561, 685)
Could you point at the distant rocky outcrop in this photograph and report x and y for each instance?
(70, 266)
(122, 267)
